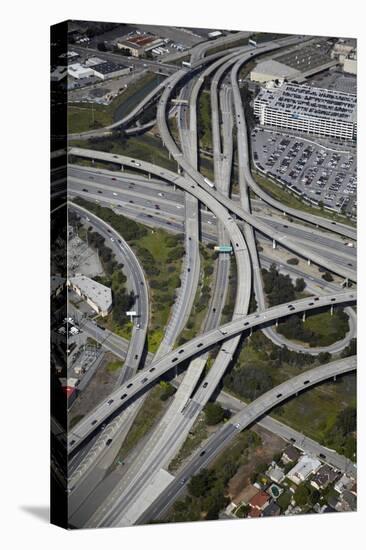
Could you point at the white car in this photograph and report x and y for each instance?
(112, 239)
(161, 194)
(115, 194)
(237, 426)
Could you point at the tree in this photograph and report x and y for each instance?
(327, 277)
(300, 285)
(243, 511)
(351, 349)
(302, 495)
(201, 483)
(214, 413)
(324, 357)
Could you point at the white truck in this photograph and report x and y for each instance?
(209, 183)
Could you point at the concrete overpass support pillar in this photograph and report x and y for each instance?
(149, 176)
(276, 323)
(331, 310)
(122, 168)
(335, 378)
(304, 317)
(273, 244)
(178, 169)
(309, 262)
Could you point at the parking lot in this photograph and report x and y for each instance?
(308, 168)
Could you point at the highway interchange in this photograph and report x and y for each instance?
(184, 202)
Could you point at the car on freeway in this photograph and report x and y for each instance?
(237, 426)
(115, 194)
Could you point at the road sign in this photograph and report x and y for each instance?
(224, 248)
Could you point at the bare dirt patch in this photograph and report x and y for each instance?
(99, 387)
(271, 445)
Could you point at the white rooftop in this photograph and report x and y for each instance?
(99, 294)
(306, 101)
(303, 468)
(276, 69)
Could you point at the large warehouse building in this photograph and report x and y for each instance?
(310, 110)
(98, 296)
(110, 70)
(139, 44)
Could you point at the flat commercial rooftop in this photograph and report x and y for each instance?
(109, 67)
(275, 68)
(96, 292)
(316, 102)
(304, 58)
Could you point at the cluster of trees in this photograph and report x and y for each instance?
(147, 260)
(126, 227)
(247, 97)
(207, 490)
(250, 382)
(306, 494)
(168, 390)
(123, 302)
(214, 413)
(351, 349)
(204, 124)
(115, 278)
(341, 435)
(107, 143)
(278, 287)
(106, 256)
(294, 328)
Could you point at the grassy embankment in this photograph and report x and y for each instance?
(203, 295)
(160, 254)
(261, 366)
(150, 412)
(83, 116)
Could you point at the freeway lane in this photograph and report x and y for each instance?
(217, 203)
(143, 380)
(274, 336)
(137, 276)
(240, 421)
(173, 429)
(145, 193)
(196, 176)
